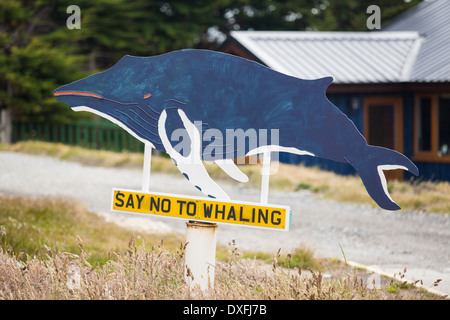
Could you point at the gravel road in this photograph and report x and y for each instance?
(389, 241)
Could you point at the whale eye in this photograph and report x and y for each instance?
(148, 95)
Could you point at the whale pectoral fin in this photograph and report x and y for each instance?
(191, 166)
(232, 170)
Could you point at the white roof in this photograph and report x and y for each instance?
(349, 57)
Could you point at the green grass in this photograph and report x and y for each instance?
(33, 225)
(301, 257)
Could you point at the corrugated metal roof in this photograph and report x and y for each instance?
(349, 57)
(414, 48)
(432, 20)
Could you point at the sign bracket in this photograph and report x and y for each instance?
(265, 174)
(201, 236)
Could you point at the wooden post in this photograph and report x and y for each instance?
(5, 126)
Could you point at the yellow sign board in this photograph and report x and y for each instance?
(203, 209)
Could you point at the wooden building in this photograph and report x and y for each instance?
(394, 84)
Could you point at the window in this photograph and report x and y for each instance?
(444, 126)
(432, 128)
(424, 124)
(383, 126)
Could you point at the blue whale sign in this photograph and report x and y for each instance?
(201, 91)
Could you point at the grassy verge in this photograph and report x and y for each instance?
(55, 249)
(418, 195)
(31, 226)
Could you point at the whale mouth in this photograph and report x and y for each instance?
(77, 93)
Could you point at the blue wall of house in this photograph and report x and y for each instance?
(428, 171)
(434, 171)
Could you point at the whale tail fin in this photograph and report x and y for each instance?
(370, 168)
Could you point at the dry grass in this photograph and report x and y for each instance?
(419, 195)
(138, 273)
(73, 153)
(55, 249)
(39, 258)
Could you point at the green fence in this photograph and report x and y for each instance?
(98, 134)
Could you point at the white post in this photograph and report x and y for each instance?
(146, 167)
(200, 256)
(265, 173)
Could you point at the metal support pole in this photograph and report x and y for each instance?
(265, 173)
(146, 167)
(200, 256)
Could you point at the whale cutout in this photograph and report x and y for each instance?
(228, 92)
